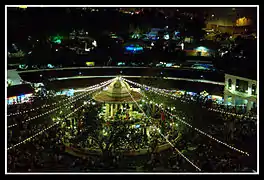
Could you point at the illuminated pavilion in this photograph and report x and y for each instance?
(117, 97)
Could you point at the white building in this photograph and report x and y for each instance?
(240, 91)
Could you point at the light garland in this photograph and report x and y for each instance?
(40, 132)
(233, 114)
(158, 91)
(208, 135)
(54, 124)
(161, 133)
(50, 111)
(200, 131)
(55, 103)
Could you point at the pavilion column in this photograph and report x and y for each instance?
(106, 110)
(153, 108)
(121, 107)
(71, 123)
(112, 110)
(130, 109)
(116, 108)
(147, 131)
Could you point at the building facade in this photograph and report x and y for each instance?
(240, 91)
(226, 27)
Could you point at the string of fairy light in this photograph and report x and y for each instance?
(198, 130)
(56, 123)
(82, 117)
(61, 101)
(167, 140)
(91, 90)
(50, 111)
(44, 130)
(172, 115)
(163, 93)
(202, 132)
(233, 114)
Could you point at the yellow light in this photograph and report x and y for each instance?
(23, 7)
(89, 63)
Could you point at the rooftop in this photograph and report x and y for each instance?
(17, 90)
(118, 92)
(250, 74)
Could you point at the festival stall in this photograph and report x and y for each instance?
(19, 94)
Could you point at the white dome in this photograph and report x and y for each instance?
(118, 88)
(118, 92)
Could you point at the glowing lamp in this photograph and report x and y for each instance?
(94, 43)
(132, 48)
(90, 63)
(182, 46)
(23, 7)
(201, 48)
(166, 37)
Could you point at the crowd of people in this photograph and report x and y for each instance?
(232, 129)
(206, 154)
(126, 137)
(24, 127)
(47, 151)
(206, 102)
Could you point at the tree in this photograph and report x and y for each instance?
(131, 29)
(41, 54)
(153, 144)
(110, 142)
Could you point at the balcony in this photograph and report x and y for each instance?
(240, 94)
